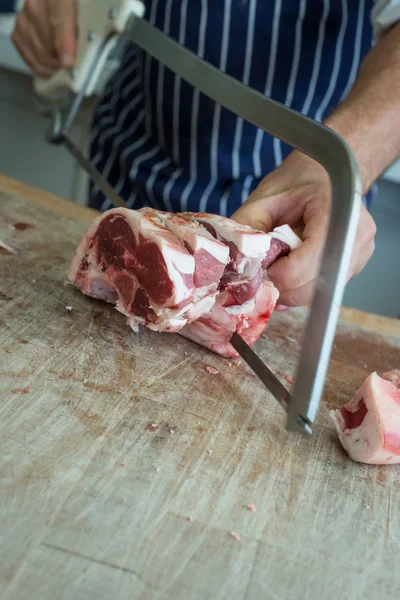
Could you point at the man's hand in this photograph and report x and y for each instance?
(45, 35)
(299, 194)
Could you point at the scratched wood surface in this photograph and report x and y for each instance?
(125, 465)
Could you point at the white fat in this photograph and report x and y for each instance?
(242, 308)
(169, 313)
(197, 238)
(182, 292)
(191, 310)
(134, 322)
(171, 249)
(134, 326)
(254, 244)
(286, 235)
(177, 263)
(206, 290)
(250, 242)
(241, 266)
(213, 247)
(201, 308)
(172, 325)
(182, 259)
(167, 320)
(247, 268)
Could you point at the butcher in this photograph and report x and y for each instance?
(162, 144)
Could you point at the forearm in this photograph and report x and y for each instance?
(369, 119)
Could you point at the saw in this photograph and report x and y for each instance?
(102, 26)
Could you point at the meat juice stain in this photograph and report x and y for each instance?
(381, 478)
(21, 391)
(23, 226)
(354, 419)
(151, 427)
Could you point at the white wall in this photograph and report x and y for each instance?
(24, 152)
(9, 57)
(377, 288)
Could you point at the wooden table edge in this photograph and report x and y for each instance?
(46, 200)
(377, 323)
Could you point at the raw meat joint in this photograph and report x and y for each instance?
(369, 425)
(198, 274)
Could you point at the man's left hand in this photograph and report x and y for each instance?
(298, 194)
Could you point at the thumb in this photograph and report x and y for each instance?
(63, 23)
(295, 275)
(268, 206)
(256, 214)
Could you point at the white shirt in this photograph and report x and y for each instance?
(384, 15)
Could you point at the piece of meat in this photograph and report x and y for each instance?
(212, 371)
(369, 425)
(201, 275)
(251, 252)
(210, 255)
(131, 258)
(215, 329)
(243, 241)
(248, 250)
(283, 241)
(247, 298)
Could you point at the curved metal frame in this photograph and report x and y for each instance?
(327, 148)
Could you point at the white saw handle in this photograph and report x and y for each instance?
(98, 20)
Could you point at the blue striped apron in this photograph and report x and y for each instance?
(161, 143)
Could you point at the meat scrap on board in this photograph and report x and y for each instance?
(202, 275)
(369, 425)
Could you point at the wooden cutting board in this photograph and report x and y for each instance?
(125, 464)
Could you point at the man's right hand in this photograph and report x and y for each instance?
(45, 35)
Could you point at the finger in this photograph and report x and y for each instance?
(288, 275)
(301, 296)
(29, 57)
(265, 211)
(302, 265)
(34, 43)
(64, 30)
(256, 215)
(365, 243)
(37, 16)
